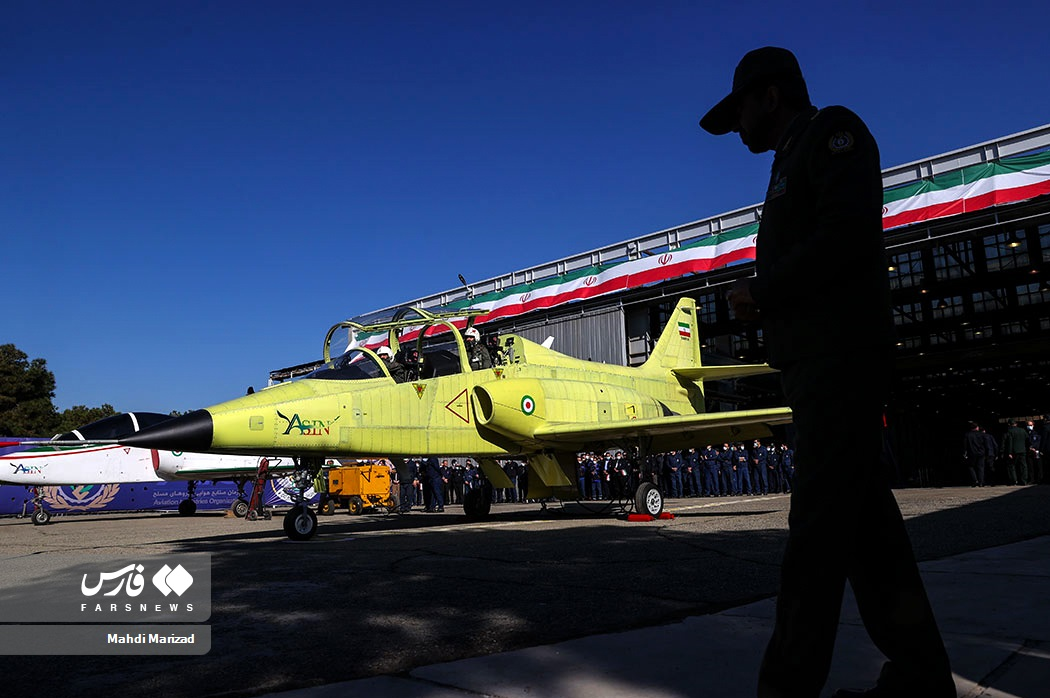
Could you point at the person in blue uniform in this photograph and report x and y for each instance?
(436, 481)
(673, 468)
(787, 466)
(1035, 451)
(594, 472)
(710, 460)
(725, 471)
(760, 466)
(1044, 440)
(821, 270)
(693, 476)
(991, 455)
(742, 469)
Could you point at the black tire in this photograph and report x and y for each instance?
(41, 517)
(327, 508)
(355, 506)
(240, 508)
(187, 507)
(300, 523)
(648, 500)
(252, 515)
(476, 504)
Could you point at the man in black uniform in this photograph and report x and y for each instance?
(395, 367)
(974, 454)
(822, 296)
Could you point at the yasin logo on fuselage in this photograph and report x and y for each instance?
(308, 427)
(28, 469)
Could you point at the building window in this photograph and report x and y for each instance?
(907, 314)
(743, 347)
(1006, 250)
(976, 333)
(910, 342)
(947, 307)
(906, 270)
(986, 301)
(953, 260)
(1011, 328)
(1044, 241)
(1030, 294)
(707, 309)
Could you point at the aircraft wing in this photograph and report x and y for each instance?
(660, 426)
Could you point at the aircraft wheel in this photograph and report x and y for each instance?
(648, 500)
(476, 505)
(300, 523)
(41, 517)
(240, 508)
(327, 508)
(187, 507)
(355, 506)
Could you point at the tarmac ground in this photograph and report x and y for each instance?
(534, 603)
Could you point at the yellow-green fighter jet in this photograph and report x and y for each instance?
(532, 404)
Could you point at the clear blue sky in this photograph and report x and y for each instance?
(193, 192)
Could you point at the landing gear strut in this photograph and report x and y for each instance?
(477, 502)
(40, 515)
(301, 522)
(240, 506)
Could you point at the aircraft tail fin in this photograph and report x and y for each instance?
(679, 344)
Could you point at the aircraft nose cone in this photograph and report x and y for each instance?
(190, 432)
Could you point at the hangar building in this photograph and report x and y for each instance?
(968, 241)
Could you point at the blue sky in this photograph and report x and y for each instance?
(193, 192)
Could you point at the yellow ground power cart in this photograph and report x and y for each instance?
(359, 487)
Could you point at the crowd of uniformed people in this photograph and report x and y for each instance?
(732, 469)
(434, 482)
(1016, 458)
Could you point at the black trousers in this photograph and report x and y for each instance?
(845, 524)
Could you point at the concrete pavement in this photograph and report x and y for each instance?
(993, 608)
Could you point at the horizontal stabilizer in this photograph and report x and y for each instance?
(720, 373)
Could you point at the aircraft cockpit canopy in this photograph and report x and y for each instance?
(352, 365)
(376, 328)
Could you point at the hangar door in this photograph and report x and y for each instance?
(597, 335)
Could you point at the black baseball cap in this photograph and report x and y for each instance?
(756, 66)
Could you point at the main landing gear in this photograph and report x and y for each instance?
(648, 500)
(240, 505)
(477, 503)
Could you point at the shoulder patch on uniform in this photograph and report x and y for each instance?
(841, 142)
